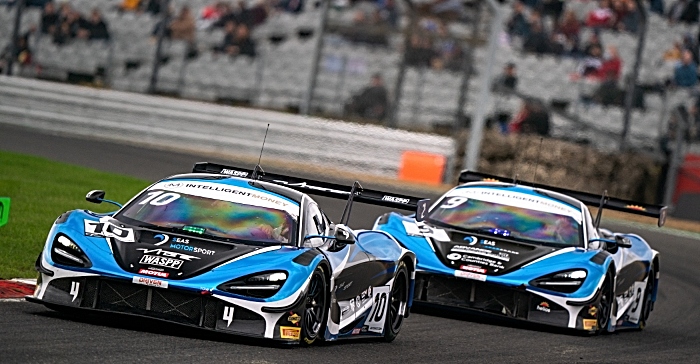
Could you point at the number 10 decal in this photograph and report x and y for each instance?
(380, 309)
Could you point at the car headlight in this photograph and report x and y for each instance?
(566, 282)
(260, 285)
(66, 252)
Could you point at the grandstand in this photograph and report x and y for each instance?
(278, 76)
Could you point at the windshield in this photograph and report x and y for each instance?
(211, 217)
(517, 222)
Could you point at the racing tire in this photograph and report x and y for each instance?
(605, 304)
(647, 304)
(398, 300)
(316, 308)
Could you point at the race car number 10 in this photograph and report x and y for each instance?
(380, 307)
(158, 198)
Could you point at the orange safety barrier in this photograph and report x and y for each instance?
(422, 167)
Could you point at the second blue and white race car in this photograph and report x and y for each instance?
(234, 251)
(530, 252)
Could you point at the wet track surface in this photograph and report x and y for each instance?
(32, 333)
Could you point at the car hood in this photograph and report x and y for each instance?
(165, 254)
(485, 254)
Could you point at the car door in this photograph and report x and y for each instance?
(351, 291)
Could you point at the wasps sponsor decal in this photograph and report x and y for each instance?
(288, 332)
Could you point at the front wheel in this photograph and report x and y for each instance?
(315, 311)
(605, 304)
(398, 300)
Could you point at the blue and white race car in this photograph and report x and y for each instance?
(234, 251)
(530, 252)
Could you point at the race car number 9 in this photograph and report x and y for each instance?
(380, 307)
(453, 202)
(158, 198)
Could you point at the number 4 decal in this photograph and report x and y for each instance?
(380, 308)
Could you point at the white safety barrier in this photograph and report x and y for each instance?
(189, 125)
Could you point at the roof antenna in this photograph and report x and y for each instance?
(257, 171)
(539, 153)
(603, 201)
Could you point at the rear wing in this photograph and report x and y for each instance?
(319, 188)
(590, 199)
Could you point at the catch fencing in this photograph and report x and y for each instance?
(194, 126)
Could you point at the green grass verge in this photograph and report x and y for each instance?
(40, 190)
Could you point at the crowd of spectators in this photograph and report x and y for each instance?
(64, 23)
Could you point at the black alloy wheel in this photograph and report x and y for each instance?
(316, 307)
(605, 304)
(398, 299)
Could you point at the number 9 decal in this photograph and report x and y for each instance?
(453, 202)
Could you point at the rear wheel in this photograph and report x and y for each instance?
(398, 300)
(647, 303)
(315, 312)
(605, 304)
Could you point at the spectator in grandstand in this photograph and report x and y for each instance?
(95, 28)
(533, 118)
(154, 7)
(602, 16)
(237, 41)
(508, 80)
(591, 64)
(685, 11)
(517, 25)
(290, 6)
(629, 22)
(657, 6)
(420, 52)
(49, 18)
(608, 92)
(372, 102)
(611, 67)
(537, 41)
(686, 72)
(389, 12)
(130, 5)
(63, 34)
(592, 43)
(674, 53)
(20, 53)
(553, 8)
(183, 26)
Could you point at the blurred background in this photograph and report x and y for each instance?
(588, 94)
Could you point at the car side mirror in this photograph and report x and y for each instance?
(422, 209)
(343, 234)
(623, 241)
(95, 196)
(98, 196)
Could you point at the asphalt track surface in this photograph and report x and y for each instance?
(30, 333)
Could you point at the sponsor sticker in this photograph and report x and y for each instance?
(589, 324)
(593, 311)
(288, 332)
(150, 272)
(150, 282)
(294, 318)
(544, 307)
(470, 275)
(396, 199)
(356, 331)
(233, 172)
(161, 261)
(472, 268)
(454, 256)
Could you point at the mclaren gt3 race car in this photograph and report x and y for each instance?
(530, 252)
(234, 251)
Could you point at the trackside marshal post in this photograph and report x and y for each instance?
(4, 210)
